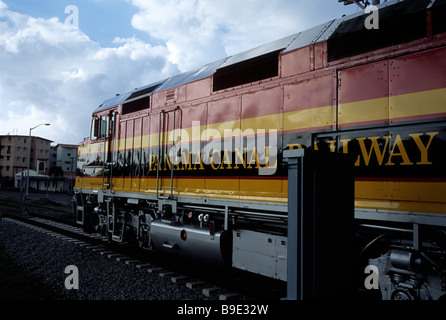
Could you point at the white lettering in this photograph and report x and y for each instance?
(194, 310)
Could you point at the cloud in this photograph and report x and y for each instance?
(54, 73)
(198, 30)
(51, 72)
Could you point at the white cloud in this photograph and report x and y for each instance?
(200, 31)
(197, 32)
(51, 72)
(54, 73)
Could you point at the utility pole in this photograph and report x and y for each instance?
(29, 155)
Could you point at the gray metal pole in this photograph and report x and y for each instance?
(295, 208)
(29, 159)
(22, 207)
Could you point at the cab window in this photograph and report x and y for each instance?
(98, 128)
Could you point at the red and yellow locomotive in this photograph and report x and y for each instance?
(193, 164)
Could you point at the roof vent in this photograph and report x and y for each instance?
(251, 70)
(136, 105)
(142, 92)
(398, 23)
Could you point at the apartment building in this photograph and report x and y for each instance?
(14, 155)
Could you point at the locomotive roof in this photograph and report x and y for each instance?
(327, 31)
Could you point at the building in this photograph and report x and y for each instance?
(66, 158)
(43, 183)
(14, 155)
(63, 160)
(53, 157)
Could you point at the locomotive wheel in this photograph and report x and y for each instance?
(401, 294)
(91, 222)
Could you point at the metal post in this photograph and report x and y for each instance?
(226, 218)
(317, 237)
(29, 160)
(295, 209)
(22, 205)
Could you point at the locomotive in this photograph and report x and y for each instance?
(193, 164)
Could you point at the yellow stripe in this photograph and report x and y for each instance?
(418, 104)
(405, 196)
(407, 105)
(406, 191)
(235, 189)
(296, 120)
(363, 111)
(310, 118)
(394, 107)
(406, 206)
(386, 195)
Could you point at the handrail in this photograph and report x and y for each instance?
(159, 156)
(171, 160)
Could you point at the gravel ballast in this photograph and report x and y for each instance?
(100, 278)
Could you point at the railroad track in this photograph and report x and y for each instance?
(11, 203)
(229, 285)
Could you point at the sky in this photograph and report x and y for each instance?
(60, 59)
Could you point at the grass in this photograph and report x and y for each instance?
(18, 284)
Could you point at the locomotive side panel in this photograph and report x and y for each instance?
(407, 91)
(261, 116)
(397, 169)
(417, 86)
(309, 106)
(363, 95)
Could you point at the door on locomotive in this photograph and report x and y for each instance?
(103, 129)
(98, 162)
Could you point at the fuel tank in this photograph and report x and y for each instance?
(192, 242)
